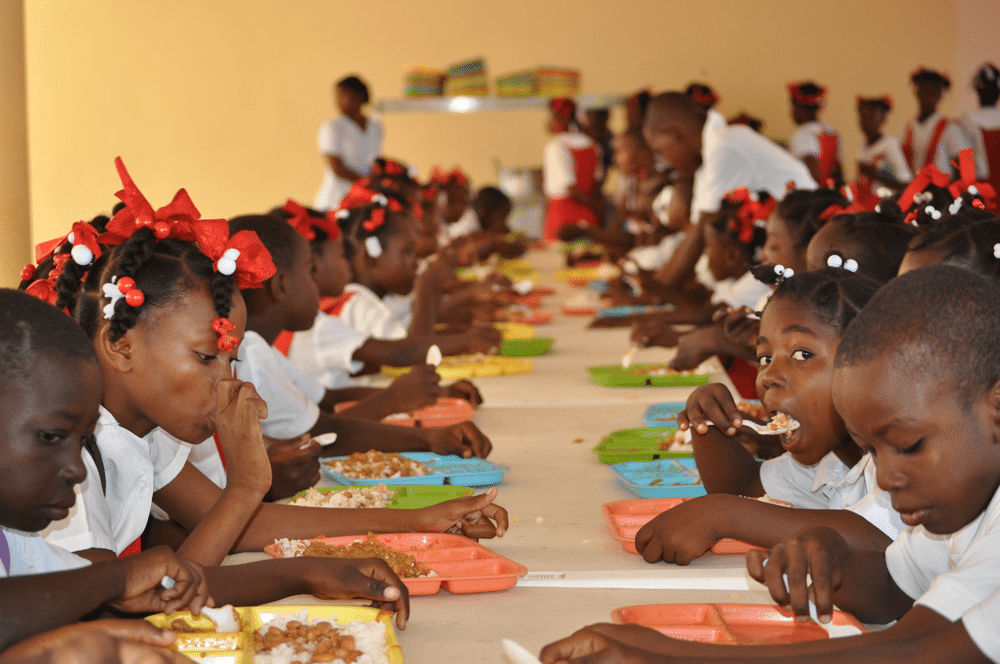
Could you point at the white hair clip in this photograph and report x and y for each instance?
(380, 199)
(343, 214)
(883, 192)
(996, 250)
(227, 263)
(835, 260)
(113, 293)
(412, 171)
(848, 194)
(955, 206)
(878, 208)
(973, 190)
(933, 212)
(373, 246)
(630, 267)
(851, 265)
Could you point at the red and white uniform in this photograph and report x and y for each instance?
(820, 140)
(571, 159)
(936, 141)
(886, 157)
(982, 129)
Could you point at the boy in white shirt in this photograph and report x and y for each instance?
(931, 138)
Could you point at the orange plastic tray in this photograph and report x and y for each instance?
(533, 299)
(736, 624)
(447, 411)
(579, 311)
(626, 517)
(536, 317)
(463, 566)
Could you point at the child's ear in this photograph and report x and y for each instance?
(116, 354)
(277, 286)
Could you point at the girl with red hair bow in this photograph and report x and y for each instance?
(816, 143)
(572, 169)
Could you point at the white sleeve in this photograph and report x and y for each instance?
(558, 171)
(784, 479)
(371, 318)
(982, 624)
(89, 524)
(334, 344)
(804, 143)
(915, 559)
(168, 455)
(723, 170)
(957, 590)
(327, 139)
(290, 412)
(205, 457)
(896, 160)
(309, 387)
(31, 554)
(952, 142)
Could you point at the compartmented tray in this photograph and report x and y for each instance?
(663, 414)
(735, 624)
(626, 517)
(638, 375)
(526, 347)
(237, 648)
(456, 368)
(451, 469)
(409, 496)
(462, 565)
(660, 478)
(447, 411)
(639, 444)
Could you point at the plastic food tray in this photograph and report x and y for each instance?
(640, 444)
(662, 478)
(239, 646)
(634, 310)
(445, 412)
(463, 566)
(736, 624)
(663, 414)
(451, 469)
(410, 496)
(511, 330)
(526, 347)
(532, 299)
(536, 317)
(612, 375)
(626, 517)
(490, 365)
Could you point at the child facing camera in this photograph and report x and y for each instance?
(917, 382)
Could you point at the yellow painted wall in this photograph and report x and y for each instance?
(225, 97)
(15, 240)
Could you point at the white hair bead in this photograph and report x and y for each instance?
(373, 246)
(955, 207)
(851, 265)
(113, 293)
(82, 255)
(835, 260)
(996, 250)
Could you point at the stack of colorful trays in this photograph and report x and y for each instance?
(556, 82)
(467, 79)
(519, 84)
(423, 82)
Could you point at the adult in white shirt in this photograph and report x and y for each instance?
(349, 144)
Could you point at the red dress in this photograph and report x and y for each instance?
(991, 139)
(563, 211)
(829, 154)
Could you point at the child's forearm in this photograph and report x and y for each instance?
(354, 435)
(37, 603)
(256, 583)
(373, 407)
(212, 540)
(425, 304)
(342, 394)
(725, 465)
(675, 272)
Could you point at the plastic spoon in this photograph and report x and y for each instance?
(434, 355)
(764, 429)
(627, 359)
(518, 654)
(835, 631)
(325, 439)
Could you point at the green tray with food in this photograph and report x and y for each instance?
(644, 444)
(399, 497)
(646, 375)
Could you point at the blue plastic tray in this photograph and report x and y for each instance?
(598, 286)
(634, 310)
(663, 414)
(444, 470)
(676, 478)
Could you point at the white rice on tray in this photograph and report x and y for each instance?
(369, 638)
(368, 497)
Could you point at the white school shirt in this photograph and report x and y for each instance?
(661, 205)
(982, 624)
(743, 292)
(290, 395)
(558, 168)
(358, 149)
(735, 156)
(952, 142)
(949, 574)
(886, 156)
(972, 124)
(30, 554)
(831, 485)
(367, 313)
(805, 141)
(325, 351)
(467, 224)
(135, 469)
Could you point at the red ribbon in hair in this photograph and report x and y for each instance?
(43, 289)
(751, 210)
(254, 264)
(967, 178)
(445, 179)
(704, 97)
(853, 207)
(815, 99)
(306, 224)
(926, 176)
(390, 167)
(83, 235)
(885, 99)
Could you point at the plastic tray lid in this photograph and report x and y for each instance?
(526, 347)
(642, 433)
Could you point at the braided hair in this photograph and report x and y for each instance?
(879, 241)
(729, 227)
(359, 221)
(801, 209)
(834, 295)
(974, 247)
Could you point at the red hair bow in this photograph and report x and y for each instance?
(306, 224)
(244, 257)
(926, 176)
(967, 178)
(885, 99)
(389, 167)
(43, 289)
(704, 96)
(815, 99)
(446, 179)
(82, 235)
(750, 211)
(850, 192)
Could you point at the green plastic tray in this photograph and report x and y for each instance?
(411, 496)
(613, 375)
(638, 444)
(526, 347)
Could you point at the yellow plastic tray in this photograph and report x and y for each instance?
(491, 365)
(515, 330)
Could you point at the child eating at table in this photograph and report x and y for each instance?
(934, 331)
(166, 355)
(821, 468)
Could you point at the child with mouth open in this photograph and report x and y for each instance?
(818, 467)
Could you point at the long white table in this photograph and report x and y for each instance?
(554, 491)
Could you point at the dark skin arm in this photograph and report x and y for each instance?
(413, 350)
(353, 435)
(891, 183)
(416, 389)
(698, 345)
(340, 170)
(98, 642)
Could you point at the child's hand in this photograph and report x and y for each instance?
(463, 439)
(143, 592)
(463, 389)
(483, 339)
(814, 552)
(109, 641)
(646, 333)
(739, 327)
(416, 389)
(370, 578)
(607, 644)
(694, 348)
(713, 402)
(681, 533)
(294, 465)
(239, 411)
(476, 517)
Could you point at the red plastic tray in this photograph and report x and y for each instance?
(463, 566)
(579, 311)
(626, 517)
(736, 624)
(536, 317)
(532, 299)
(447, 411)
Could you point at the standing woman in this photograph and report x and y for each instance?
(349, 144)
(571, 172)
